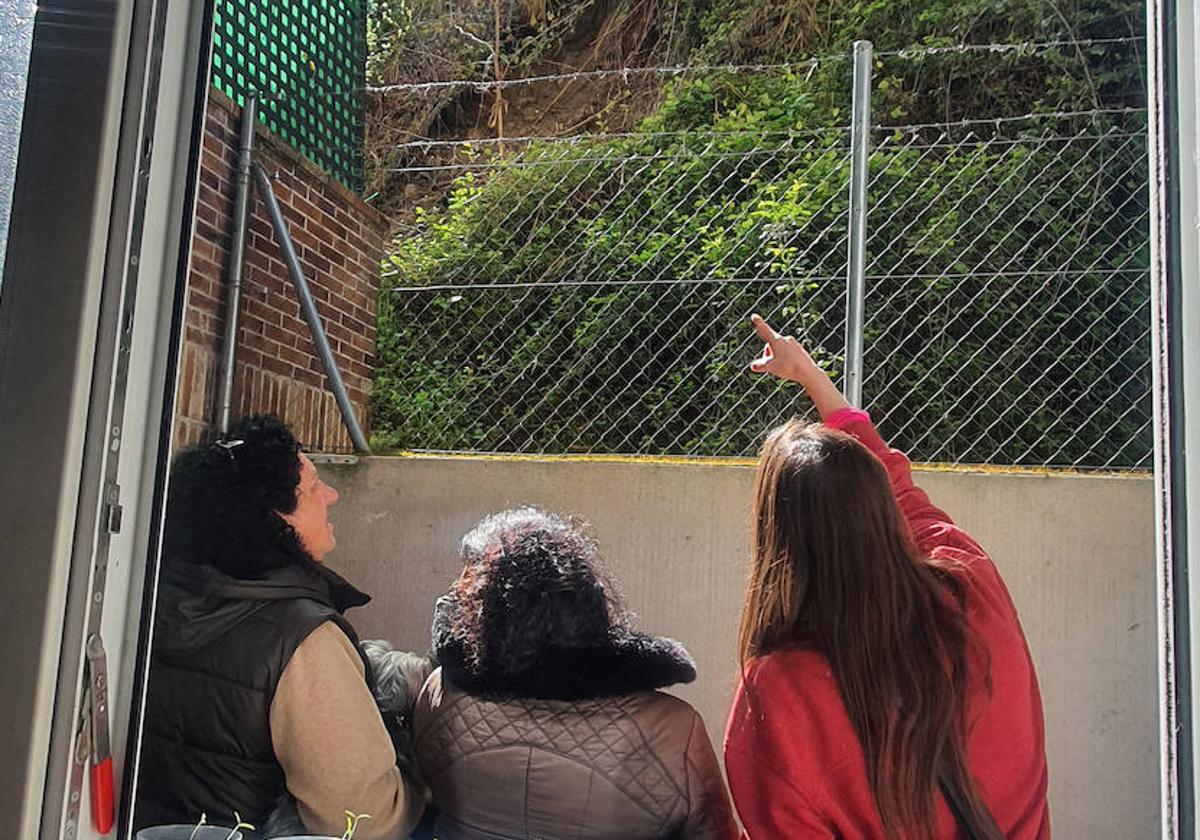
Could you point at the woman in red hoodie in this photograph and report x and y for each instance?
(887, 690)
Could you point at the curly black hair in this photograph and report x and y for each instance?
(224, 500)
(531, 582)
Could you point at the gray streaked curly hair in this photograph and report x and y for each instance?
(399, 676)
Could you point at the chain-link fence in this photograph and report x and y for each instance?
(591, 294)
(1008, 304)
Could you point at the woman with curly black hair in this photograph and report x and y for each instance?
(258, 691)
(544, 719)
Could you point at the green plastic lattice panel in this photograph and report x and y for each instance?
(306, 58)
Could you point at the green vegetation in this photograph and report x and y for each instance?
(1007, 302)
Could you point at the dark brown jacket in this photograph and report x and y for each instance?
(633, 767)
(565, 742)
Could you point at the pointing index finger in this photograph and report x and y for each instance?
(763, 328)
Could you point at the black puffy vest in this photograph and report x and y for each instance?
(220, 648)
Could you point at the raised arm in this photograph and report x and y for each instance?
(783, 356)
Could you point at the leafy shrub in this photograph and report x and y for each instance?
(593, 296)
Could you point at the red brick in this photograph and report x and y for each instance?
(256, 307)
(277, 368)
(307, 210)
(259, 224)
(327, 207)
(282, 335)
(310, 378)
(305, 238)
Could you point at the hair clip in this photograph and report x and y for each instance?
(228, 446)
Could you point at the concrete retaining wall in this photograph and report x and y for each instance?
(1077, 553)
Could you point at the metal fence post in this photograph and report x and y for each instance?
(860, 142)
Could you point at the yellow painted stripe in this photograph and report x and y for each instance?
(716, 461)
(1001, 469)
(710, 460)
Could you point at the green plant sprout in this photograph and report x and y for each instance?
(203, 822)
(240, 825)
(352, 824)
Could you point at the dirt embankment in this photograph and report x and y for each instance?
(403, 174)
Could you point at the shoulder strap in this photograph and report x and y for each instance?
(304, 615)
(347, 628)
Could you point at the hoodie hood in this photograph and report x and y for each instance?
(198, 604)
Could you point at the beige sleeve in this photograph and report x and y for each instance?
(331, 742)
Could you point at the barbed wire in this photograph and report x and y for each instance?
(1030, 47)
(583, 137)
(517, 163)
(1025, 47)
(706, 131)
(626, 73)
(777, 139)
(1029, 117)
(356, 152)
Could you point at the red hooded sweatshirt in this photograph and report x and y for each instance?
(796, 769)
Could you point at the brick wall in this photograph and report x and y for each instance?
(339, 240)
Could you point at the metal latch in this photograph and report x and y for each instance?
(101, 771)
(113, 507)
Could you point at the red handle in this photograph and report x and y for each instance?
(102, 796)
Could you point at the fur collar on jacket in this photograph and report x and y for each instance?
(626, 663)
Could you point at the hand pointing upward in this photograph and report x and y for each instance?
(784, 357)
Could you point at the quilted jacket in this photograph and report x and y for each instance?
(633, 767)
(561, 740)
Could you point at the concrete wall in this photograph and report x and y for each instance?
(1077, 553)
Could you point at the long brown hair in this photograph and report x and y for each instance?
(835, 568)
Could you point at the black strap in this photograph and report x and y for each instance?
(958, 807)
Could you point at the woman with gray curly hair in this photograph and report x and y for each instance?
(545, 717)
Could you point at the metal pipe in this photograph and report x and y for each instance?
(309, 309)
(860, 143)
(237, 253)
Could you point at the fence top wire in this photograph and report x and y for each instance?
(706, 133)
(1023, 48)
(710, 134)
(1033, 116)
(935, 135)
(495, 164)
(583, 138)
(623, 73)
(777, 280)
